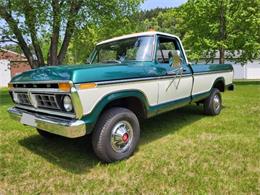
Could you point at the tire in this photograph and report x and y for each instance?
(213, 104)
(46, 134)
(116, 135)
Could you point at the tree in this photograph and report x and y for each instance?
(86, 38)
(31, 21)
(225, 26)
(168, 20)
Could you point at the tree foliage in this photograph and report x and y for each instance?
(32, 22)
(168, 20)
(227, 26)
(58, 31)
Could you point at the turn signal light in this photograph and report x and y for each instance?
(64, 86)
(10, 86)
(87, 85)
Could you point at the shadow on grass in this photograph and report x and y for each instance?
(77, 156)
(73, 155)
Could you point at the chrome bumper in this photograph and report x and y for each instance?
(70, 128)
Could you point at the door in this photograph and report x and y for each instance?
(176, 86)
(5, 73)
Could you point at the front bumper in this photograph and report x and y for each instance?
(70, 128)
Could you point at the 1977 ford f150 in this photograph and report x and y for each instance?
(127, 79)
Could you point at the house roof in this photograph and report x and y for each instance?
(11, 56)
(9, 51)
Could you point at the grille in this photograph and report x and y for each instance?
(23, 98)
(47, 101)
(41, 85)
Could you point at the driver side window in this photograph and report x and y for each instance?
(166, 49)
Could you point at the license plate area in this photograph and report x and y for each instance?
(28, 119)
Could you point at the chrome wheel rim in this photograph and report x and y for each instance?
(121, 136)
(216, 102)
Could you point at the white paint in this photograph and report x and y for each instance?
(149, 33)
(156, 91)
(90, 97)
(174, 88)
(204, 82)
(5, 73)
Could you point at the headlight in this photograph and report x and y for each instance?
(67, 103)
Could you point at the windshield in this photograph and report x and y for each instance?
(132, 49)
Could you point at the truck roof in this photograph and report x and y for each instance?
(137, 35)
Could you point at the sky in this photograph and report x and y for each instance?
(151, 4)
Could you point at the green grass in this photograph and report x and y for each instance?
(182, 151)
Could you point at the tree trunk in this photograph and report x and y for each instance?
(222, 56)
(53, 50)
(14, 27)
(30, 20)
(222, 36)
(74, 9)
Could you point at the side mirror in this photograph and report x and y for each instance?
(87, 61)
(176, 60)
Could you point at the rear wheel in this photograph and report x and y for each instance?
(116, 134)
(213, 104)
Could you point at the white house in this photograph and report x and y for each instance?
(5, 73)
(11, 63)
(250, 70)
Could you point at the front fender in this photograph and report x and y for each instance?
(91, 118)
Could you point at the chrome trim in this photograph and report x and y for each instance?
(73, 93)
(70, 128)
(212, 72)
(41, 82)
(76, 103)
(46, 111)
(41, 101)
(136, 79)
(39, 90)
(142, 79)
(23, 98)
(216, 102)
(121, 129)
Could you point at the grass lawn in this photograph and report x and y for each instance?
(182, 151)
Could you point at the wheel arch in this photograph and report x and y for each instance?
(219, 84)
(134, 100)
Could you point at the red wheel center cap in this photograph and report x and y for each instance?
(125, 137)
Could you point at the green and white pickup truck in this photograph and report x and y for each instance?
(127, 79)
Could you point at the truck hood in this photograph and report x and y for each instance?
(83, 73)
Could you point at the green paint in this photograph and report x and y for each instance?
(91, 118)
(200, 96)
(200, 68)
(108, 72)
(85, 73)
(165, 107)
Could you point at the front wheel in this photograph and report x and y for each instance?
(116, 135)
(213, 104)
